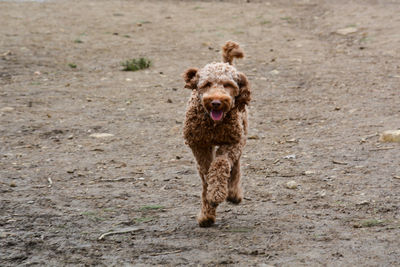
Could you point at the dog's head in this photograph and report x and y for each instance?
(220, 88)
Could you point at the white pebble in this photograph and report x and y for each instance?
(101, 135)
(7, 109)
(390, 136)
(291, 185)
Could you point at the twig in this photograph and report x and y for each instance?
(122, 231)
(288, 175)
(116, 180)
(396, 177)
(166, 252)
(339, 162)
(50, 182)
(381, 148)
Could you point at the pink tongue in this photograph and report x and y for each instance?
(216, 114)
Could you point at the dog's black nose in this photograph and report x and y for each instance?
(216, 104)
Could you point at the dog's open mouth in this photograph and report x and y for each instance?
(216, 115)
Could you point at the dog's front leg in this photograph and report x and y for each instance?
(217, 180)
(224, 174)
(204, 156)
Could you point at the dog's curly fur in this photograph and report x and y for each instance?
(216, 128)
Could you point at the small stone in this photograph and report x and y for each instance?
(292, 185)
(253, 137)
(7, 109)
(101, 135)
(274, 72)
(309, 172)
(8, 53)
(362, 203)
(390, 136)
(3, 234)
(292, 156)
(346, 31)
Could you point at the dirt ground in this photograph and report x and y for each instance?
(325, 77)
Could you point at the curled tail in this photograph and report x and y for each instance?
(230, 51)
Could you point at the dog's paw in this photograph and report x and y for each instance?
(235, 195)
(217, 195)
(205, 221)
(234, 199)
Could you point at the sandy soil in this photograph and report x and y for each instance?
(325, 77)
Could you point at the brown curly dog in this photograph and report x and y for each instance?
(216, 128)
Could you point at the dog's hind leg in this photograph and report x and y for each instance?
(235, 192)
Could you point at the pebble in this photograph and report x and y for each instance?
(3, 234)
(309, 172)
(274, 72)
(7, 109)
(346, 31)
(322, 193)
(292, 156)
(291, 185)
(101, 135)
(363, 202)
(390, 136)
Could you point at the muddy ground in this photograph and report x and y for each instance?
(325, 78)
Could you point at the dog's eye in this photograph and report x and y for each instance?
(208, 84)
(229, 85)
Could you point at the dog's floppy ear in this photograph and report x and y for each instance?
(191, 78)
(244, 96)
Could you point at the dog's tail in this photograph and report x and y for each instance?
(230, 51)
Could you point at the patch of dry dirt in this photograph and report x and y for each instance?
(320, 97)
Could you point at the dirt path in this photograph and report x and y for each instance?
(325, 77)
